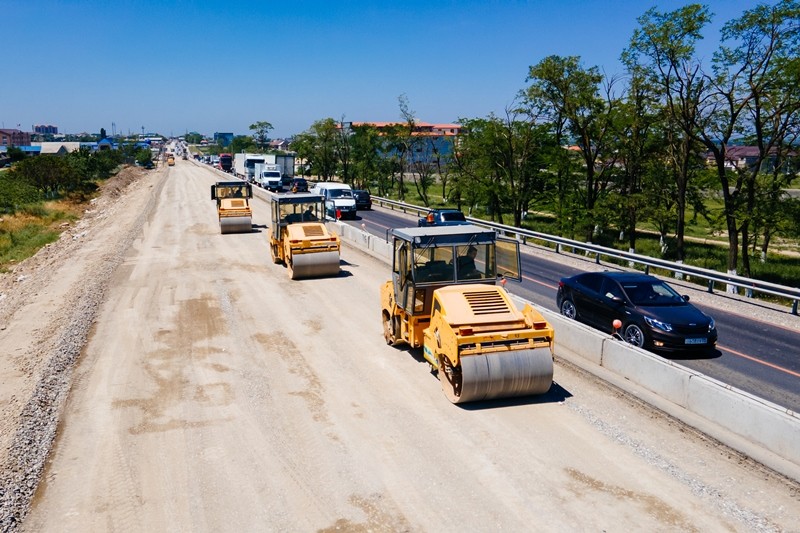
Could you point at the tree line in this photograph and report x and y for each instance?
(615, 152)
(47, 176)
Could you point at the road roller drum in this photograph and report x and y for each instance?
(313, 265)
(235, 224)
(497, 375)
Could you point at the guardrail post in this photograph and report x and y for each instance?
(558, 247)
(794, 307)
(647, 269)
(597, 259)
(710, 285)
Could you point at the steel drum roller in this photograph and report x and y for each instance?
(314, 264)
(502, 375)
(235, 224)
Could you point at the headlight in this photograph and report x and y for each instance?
(663, 326)
(711, 325)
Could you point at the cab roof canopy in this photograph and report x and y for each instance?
(446, 235)
(298, 198)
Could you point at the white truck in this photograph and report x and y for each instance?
(244, 165)
(268, 176)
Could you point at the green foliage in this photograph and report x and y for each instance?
(318, 146)
(144, 157)
(261, 131)
(242, 143)
(16, 192)
(15, 154)
(193, 138)
(48, 173)
(369, 166)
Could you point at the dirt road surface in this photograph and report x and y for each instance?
(214, 394)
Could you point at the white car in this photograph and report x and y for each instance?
(339, 199)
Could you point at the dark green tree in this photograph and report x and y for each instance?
(663, 48)
(242, 143)
(261, 131)
(573, 93)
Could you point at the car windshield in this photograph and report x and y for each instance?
(652, 293)
(341, 193)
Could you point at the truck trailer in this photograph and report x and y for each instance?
(244, 165)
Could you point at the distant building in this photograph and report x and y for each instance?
(746, 157)
(279, 144)
(45, 129)
(13, 137)
(57, 148)
(223, 139)
(106, 144)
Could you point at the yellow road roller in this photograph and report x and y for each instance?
(298, 237)
(233, 206)
(444, 296)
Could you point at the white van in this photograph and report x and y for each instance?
(338, 198)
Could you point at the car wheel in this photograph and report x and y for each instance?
(634, 335)
(568, 309)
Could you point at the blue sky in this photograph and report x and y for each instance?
(206, 66)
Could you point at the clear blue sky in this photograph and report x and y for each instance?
(210, 66)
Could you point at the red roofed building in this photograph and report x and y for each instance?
(14, 138)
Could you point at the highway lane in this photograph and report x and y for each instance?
(753, 355)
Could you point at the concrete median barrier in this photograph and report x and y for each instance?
(656, 374)
(574, 337)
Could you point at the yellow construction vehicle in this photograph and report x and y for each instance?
(233, 206)
(444, 297)
(298, 237)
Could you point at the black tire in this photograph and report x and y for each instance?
(568, 309)
(634, 335)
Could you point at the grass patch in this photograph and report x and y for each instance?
(34, 226)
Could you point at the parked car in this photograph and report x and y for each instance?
(443, 217)
(363, 199)
(299, 185)
(653, 315)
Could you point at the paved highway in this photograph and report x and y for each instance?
(752, 355)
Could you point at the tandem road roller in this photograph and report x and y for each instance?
(233, 206)
(444, 297)
(298, 237)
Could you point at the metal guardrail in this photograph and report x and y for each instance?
(711, 276)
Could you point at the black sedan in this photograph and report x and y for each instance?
(652, 315)
(299, 185)
(363, 200)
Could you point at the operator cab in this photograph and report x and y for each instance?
(431, 257)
